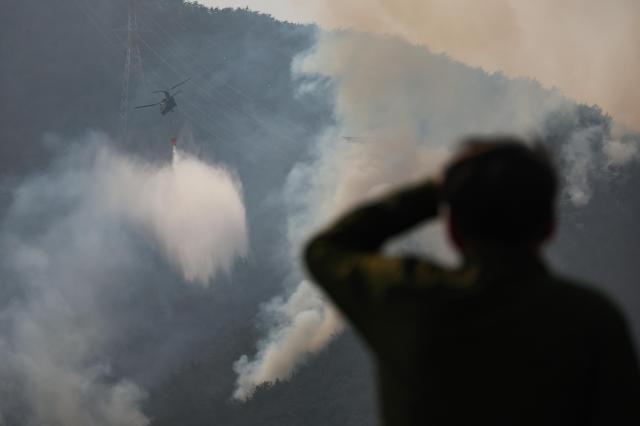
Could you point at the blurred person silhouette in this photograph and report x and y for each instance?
(500, 340)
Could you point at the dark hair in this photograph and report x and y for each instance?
(500, 190)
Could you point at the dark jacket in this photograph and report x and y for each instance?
(498, 341)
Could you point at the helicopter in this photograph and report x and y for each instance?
(169, 102)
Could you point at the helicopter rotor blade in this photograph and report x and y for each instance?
(147, 106)
(176, 92)
(179, 84)
(164, 92)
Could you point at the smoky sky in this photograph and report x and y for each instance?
(585, 48)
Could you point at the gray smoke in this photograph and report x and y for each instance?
(400, 111)
(591, 153)
(304, 323)
(71, 252)
(587, 48)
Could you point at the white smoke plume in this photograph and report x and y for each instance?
(71, 251)
(586, 48)
(400, 111)
(591, 153)
(579, 155)
(303, 324)
(619, 153)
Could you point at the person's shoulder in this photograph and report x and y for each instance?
(583, 298)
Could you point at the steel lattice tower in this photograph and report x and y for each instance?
(132, 58)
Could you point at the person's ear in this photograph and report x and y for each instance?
(454, 233)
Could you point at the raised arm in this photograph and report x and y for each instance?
(367, 227)
(345, 259)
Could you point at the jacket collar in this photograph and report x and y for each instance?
(502, 263)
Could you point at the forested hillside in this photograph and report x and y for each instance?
(247, 109)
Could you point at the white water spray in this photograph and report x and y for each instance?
(194, 210)
(74, 267)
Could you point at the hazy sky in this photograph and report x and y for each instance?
(586, 48)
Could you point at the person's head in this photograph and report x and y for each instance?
(500, 192)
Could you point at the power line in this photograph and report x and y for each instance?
(95, 23)
(177, 72)
(230, 103)
(203, 91)
(133, 62)
(202, 114)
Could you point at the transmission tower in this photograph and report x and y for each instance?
(132, 65)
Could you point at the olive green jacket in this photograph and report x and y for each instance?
(498, 341)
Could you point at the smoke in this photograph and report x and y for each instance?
(592, 152)
(586, 48)
(302, 324)
(73, 243)
(399, 111)
(579, 154)
(619, 153)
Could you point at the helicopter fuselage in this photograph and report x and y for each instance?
(167, 105)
